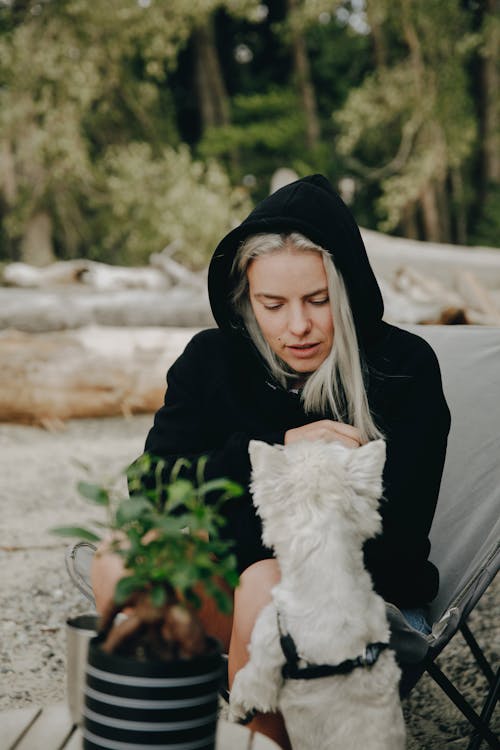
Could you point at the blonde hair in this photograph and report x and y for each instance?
(337, 385)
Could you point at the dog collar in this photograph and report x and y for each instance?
(292, 671)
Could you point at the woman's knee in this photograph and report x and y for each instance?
(252, 594)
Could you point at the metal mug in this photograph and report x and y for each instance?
(79, 631)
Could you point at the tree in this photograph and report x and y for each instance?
(94, 78)
(411, 128)
(279, 116)
(486, 206)
(302, 74)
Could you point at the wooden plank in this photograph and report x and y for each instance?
(232, 737)
(229, 737)
(75, 741)
(260, 742)
(15, 722)
(50, 731)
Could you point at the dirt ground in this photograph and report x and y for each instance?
(39, 471)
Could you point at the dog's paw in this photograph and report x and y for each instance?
(239, 714)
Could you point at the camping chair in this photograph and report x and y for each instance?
(466, 529)
(465, 534)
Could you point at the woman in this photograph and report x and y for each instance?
(301, 353)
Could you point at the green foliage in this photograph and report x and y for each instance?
(172, 545)
(408, 125)
(270, 122)
(268, 131)
(148, 201)
(77, 79)
(97, 100)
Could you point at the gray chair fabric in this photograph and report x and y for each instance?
(466, 530)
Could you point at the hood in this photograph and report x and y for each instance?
(309, 206)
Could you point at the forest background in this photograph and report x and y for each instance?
(129, 125)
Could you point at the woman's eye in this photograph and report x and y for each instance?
(273, 307)
(321, 301)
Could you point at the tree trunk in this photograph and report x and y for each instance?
(413, 42)
(8, 183)
(490, 85)
(430, 213)
(457, 187)
(444, 211)
(36, 245)
(409, 223)
(303, 78)
(209, 82)
(375, 19)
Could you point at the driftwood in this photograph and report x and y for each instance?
(27, 276)
(421, 283)
(104, 277)
(74, 306)
(437, 260)
(177, 273)
(97, 275)
(93, 372)
(413, 297)
(478, 299)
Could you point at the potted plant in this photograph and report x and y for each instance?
(153, 677)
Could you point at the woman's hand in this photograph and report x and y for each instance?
(328, 430)
(107, 569)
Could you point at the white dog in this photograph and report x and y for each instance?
(319, 503)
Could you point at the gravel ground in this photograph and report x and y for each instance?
(39, 471)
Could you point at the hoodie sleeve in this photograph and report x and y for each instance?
(416, 435)
(183, 427)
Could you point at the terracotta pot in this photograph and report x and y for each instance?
(132, 704)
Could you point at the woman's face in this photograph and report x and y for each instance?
(289, 297)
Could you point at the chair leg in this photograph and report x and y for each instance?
(483, 730)
(477, 653)
(487, 711)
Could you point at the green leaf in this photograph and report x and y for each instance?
(200, 469)
(127, 586)
(172, 524)
(131, 509)
(158, 596)
(179, 493)
(178, 466)
(230, 488)
(77, 531)
(93, 492)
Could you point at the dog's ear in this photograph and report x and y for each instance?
(366, 465)
(262, 455)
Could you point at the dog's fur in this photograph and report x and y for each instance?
(319, 503)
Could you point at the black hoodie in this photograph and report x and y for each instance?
(220, 396)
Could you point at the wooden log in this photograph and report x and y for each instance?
(91, 372)
(413, 297)
(176, 272)
(439, 260)
(26, 275)
(104, 277)
(97, 275)
(477, 297)
(73, 306)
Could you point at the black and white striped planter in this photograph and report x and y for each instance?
(132, 705)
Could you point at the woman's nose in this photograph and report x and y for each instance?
(298, 322)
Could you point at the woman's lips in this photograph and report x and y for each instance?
(303, 350)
